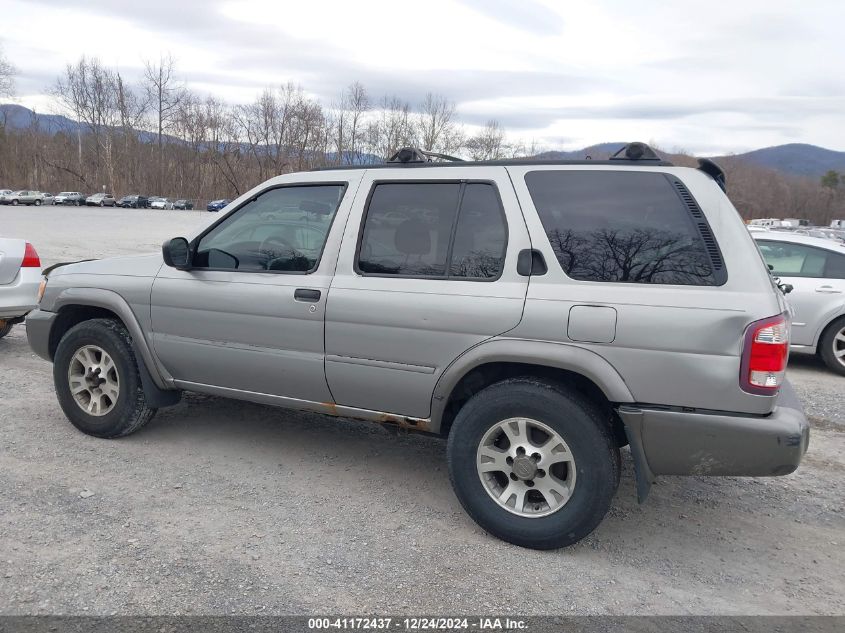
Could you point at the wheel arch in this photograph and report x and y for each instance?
(76, 305)
(505, 358)
(827, 323)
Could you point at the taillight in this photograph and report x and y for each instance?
(764, 356)
(30, 257)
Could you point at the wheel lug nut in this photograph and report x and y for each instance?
(530, 483)
(514, 477)
(541, 473)
(509, 460)
(536, 457)
(520, 451)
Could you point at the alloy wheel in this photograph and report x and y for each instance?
(93, 380)
(526, 467)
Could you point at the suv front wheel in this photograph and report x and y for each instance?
(533, 463)
(97, 380)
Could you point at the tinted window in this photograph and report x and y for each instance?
(800, 260)
(283, 229)
(620, 226)
(409, 230)
(479, 247)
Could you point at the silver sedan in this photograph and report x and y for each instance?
(815, 268)
(20, 276)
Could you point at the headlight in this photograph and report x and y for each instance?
(42, 287)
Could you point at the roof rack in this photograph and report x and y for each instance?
(417, 155)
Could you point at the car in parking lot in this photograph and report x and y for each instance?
(815, 268)
(160, 203)
(69, 198)
(100, 200)
(183, 204)
(3, 194)
(133, 202)
(26, 197)
(20, 276)
(217, 205)
(539, 315)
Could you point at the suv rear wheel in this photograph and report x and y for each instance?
(832, 346)
(533, 463)
(97, 380)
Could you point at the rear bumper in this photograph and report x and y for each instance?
(20, 296)
(38, 326)
(673, 442)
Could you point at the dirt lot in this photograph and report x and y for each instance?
(224, 507)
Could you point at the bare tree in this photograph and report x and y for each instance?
(488, 144)
(7, 77)
(165, 92)
(392, 128)
(437, 128)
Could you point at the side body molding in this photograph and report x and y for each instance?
(110, 300)
(549, 354)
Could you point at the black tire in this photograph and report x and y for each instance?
(37, 203)
(5, 328)
(78, 203)
(14, 203)
(582, 427)
(828, 345)
(131, 411)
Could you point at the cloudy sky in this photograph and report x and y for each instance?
(707, 77)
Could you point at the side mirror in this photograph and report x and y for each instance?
(177, 253)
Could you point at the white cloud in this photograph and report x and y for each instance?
(707, 77)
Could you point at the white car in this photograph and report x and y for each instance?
(815, 268)
(20, 277)
(161, 203)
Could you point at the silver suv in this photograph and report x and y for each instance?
(540, 315)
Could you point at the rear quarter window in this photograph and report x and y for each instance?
(625, 226)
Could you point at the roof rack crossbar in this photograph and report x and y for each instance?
(416, 155)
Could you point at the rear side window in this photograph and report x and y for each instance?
(630, 227)
(447, 230)
(800, 260)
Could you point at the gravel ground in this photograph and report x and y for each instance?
(220, 506)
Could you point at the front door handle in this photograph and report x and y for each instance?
(306, 294)
(828, 290)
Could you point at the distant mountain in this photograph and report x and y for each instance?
(17, 117)
(796, 158)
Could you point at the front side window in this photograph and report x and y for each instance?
(616, 226)
(448, 230)
(281, 230)
(800, 260)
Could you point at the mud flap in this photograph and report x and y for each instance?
(633, 421)
(157, 397)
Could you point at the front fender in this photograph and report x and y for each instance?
(112, 301)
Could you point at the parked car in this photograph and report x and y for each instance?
(649, 318)
(133, 202)
(69, 198)
(100, 200)
(3, 194)
(183, 205)
(815, 268)
(20, 276)
(217, 205)
(25, 196)
(47, 198)
(161, 203)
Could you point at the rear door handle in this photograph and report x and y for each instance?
(306, 294)
(828, 290)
